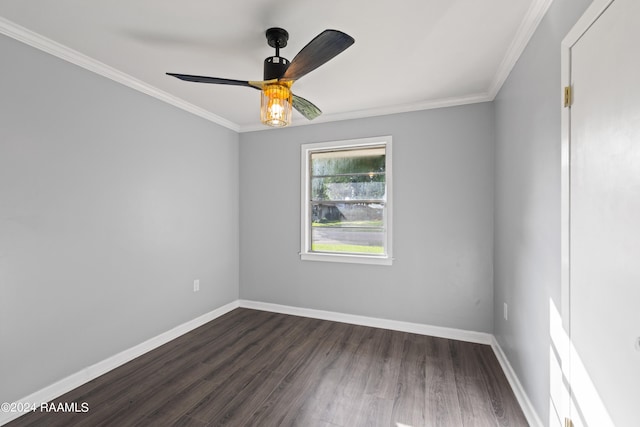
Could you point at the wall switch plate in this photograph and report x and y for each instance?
(196, 285)
(506, 311)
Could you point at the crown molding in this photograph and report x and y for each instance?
(383, 111)
(63, 52)
(527, 28)
(525, 31)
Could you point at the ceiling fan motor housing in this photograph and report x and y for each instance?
(274, 67)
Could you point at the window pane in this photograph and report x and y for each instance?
(362, 161)
(352, 240)
(347, 214)
(349, 187)
(346, 195)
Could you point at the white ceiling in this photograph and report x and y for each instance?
(408, 54)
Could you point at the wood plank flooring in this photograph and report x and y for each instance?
(256, 368)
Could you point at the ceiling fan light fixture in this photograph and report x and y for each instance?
(277, 100)
(276, 105)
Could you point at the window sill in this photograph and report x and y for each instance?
(347, 258)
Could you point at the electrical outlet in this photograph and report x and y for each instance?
(506, 311)
(196, 285)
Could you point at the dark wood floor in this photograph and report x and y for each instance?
(255, 368)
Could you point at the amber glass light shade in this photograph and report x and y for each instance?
(275, 105)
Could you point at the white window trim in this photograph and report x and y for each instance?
(305, 229)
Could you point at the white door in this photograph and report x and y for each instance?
(604, 219)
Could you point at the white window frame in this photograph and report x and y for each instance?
(305, 220)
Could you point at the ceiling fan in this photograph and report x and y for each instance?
(280, 74)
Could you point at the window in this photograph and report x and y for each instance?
(346, 201)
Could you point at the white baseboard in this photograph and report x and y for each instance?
(416, 328)
(526, 405)
(85, 375)
(395, 325)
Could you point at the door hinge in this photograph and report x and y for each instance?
(568, 422)
(568, 96)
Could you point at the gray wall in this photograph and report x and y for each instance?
(443, 213)
(527, 202)
(111, 204)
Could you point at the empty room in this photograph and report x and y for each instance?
(297, 213)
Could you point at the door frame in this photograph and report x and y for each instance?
(593, 12)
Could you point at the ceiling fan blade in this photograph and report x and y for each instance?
(217, 80)
(306, 108)
(321, 49)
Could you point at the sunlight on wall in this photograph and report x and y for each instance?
(558, 390)
(571, 389)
